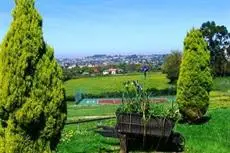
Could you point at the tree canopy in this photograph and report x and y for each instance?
(218, 39)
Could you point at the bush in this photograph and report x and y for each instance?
(136, 100)
(169, 110)
(171, 66)
(195, 78)
(32, 107)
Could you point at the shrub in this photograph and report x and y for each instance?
(195, 78)
(32, 107)
(169, 110)
(171, 66)
(136, 100)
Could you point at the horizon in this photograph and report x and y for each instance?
(139, 54)
(119, 27)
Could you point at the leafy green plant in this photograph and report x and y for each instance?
(168, 110)
(136, 100)
(130, 99)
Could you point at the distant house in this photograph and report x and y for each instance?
(106, 72)
(71, 66)
(112, 71)
(91, 65)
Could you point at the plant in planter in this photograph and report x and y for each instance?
(169, 111)
(137, 115)
(139, 121)
(132, 98)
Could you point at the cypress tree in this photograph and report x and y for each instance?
(32, 107)
(195, 80)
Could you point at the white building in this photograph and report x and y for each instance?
(105, 72)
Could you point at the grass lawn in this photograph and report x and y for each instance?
(98, 85)
(210, 137)
(84, 110)
(82, 139)
(219, 100)
(105, 84)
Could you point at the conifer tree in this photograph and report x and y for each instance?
(195, 78)
(32, 107)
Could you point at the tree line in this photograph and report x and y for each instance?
(218, 43)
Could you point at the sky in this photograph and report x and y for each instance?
(77, 28)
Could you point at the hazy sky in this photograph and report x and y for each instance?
(85, 27)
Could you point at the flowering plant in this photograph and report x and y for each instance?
(137, 100)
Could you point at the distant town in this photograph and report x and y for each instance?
(105, 60)
(97, 65)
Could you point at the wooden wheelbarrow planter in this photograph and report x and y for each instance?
(132, 130)
(134, 124)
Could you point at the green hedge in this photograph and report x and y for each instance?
(151, 92)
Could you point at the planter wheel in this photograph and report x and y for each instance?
(179, 140)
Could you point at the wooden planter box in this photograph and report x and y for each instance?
(134, 124)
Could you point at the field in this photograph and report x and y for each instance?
(99, 85)
(210, 137)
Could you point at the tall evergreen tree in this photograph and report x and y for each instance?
(195, 78)
(32, 107)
